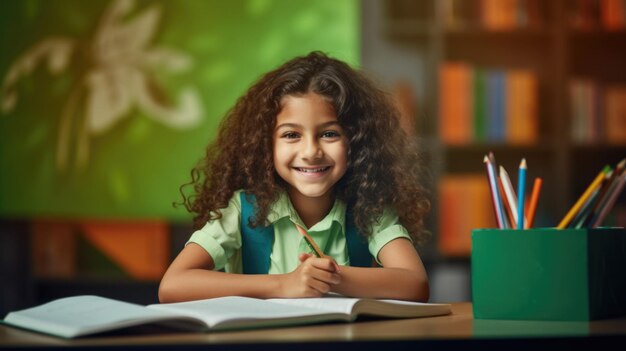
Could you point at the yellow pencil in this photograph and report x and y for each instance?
(583, 198)
(310, 241)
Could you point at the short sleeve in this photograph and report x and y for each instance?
(385, 230)
(221, 238)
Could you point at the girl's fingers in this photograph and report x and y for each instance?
(336, 265)
(319, 286)
(320, 269)
(327, 264)
(304, 256)
(332, 266)
(327, 277)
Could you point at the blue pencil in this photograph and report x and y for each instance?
(521, 189)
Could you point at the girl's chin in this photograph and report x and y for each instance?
(309, 193)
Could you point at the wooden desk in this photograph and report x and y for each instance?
(456, 331)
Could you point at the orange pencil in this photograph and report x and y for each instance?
(532, 206)
(310, 241)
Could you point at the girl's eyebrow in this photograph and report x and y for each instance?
(296, 125)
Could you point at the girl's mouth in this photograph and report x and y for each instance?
(312, 170)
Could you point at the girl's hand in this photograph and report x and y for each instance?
(313, 277)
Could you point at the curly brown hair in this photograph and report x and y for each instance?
(383, 167)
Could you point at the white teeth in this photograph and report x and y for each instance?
(312, 170)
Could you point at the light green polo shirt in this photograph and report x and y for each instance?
(221, 238)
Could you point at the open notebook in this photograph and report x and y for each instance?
(86, 314)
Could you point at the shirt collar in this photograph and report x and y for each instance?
(283, 208)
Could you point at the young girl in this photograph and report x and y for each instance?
(313, 143)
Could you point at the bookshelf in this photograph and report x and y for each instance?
(572, 51)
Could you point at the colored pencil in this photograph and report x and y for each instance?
(495, 193)
(579, 219)
(505, 203)
(603, 203)
(509, 195)
(521, 193)
(532, 206)
(604, 193)
(619, 186)
(310, 241)
(492, 162)
(572, 212)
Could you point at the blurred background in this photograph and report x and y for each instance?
(105, 106)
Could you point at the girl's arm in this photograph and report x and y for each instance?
(190, 277)
(402, 276)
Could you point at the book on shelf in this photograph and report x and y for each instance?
(478, 104)
(586, 115)
(613, 14)
(494, 15)
(598, 113)
(460, 13)
(455, 99)
(521, 107)
(83, 315)
(615, 114)
(592, 14)
(499, 14)
(496, 105)
(464, 204)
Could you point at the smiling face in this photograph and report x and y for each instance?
(310, 148)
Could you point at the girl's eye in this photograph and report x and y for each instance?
(330, 134)
(290, 135)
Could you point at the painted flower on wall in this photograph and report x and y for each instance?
(118, 78)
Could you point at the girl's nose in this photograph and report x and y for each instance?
(312, 150)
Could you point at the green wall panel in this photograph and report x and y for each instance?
(134, 167)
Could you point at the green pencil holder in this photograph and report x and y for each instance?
(549, 274)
